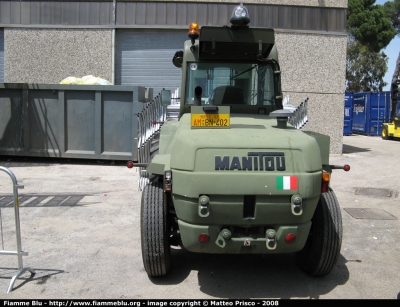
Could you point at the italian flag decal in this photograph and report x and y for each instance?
(286, 183)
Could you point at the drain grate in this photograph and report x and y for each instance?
(370, 214)
(375, 192)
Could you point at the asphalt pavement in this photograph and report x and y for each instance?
(80, 224)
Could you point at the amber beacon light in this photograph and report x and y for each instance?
(194, 32)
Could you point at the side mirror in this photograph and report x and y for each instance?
(178, 59)
(165, 97)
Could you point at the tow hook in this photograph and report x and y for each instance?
(297, 205)
(271, 239)
(225, 234)
(204, 206)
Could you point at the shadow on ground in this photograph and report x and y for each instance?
(252, 276)
(40, 277)
(352, 149)
(45, 200)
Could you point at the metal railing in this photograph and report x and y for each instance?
(149, 122)
(300, 116)
(19, 253)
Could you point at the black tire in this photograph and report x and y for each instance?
(322, 249)
(156, 252)
(384, 133)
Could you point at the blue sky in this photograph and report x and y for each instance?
(392, 51)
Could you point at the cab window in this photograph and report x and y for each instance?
(231, 83)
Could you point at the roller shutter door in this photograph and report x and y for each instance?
(1, 55)
(144, 58)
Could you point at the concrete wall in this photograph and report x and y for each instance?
(50, 55)
(314, 66)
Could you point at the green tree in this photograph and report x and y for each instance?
(370, 30)
(365, 68)
(368, 23)
(392, 9)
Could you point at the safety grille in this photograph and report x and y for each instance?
(299, 117)
(150, 121)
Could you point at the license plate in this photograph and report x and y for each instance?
(211, 120)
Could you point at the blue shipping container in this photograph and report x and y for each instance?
(348, 114)
(370, 111)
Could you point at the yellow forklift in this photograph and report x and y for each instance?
(392, 130)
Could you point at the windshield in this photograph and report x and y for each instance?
(230, 83)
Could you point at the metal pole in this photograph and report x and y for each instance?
(113, 43)
(19, 251)
(1, 229)
(16, 186)
(379, 115)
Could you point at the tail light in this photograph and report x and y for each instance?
(204, 238)
(168, 181)
(326, 177)
(290, 238)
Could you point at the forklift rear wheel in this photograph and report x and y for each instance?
(322, 249)
(156, 252)
(385, 134)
